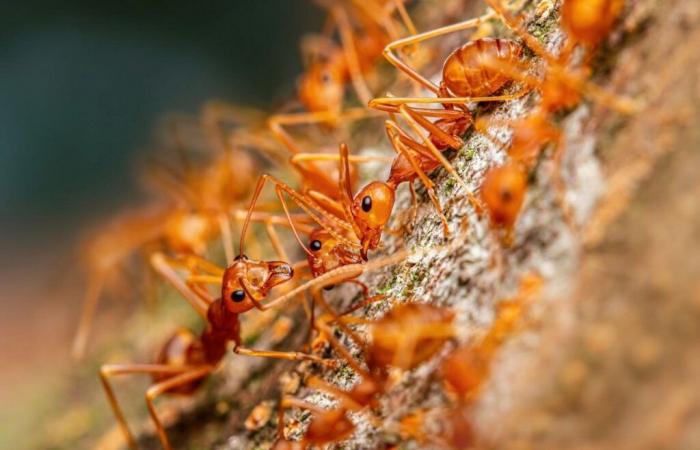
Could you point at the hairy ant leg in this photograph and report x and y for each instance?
(287, 356)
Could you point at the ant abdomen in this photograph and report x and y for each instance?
(183, 348)
(466, 72)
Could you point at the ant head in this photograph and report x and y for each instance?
(247, 281)
(371, 209)
(327, 253)
(503, 192)
(321, 88)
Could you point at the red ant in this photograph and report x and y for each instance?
(185, 359)
(465, 78)
(355, 222)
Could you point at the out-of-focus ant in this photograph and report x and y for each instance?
(364, 28)
(466, 370)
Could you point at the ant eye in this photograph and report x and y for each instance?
(366, 203)
(315, 245)
(325, 78)
(238, 296)
(240, 257)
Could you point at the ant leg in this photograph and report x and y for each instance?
(109, 370)
(277, 123)
(405, 17)
(289, 356)
(517, 25)
(163, 387)
(394, 133)
(389, 103)
(327, 203)
(345, 187)
(318, 297)
(301, 221)
(355, 159)
(411, 118)
(343, 352)
(226, 238)
(367, 301)
(165, 270)
(195, 263)
(318, 215)
(351, 57)
(453, 141)
(87, 315)
(415, 39)
(275, 240)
